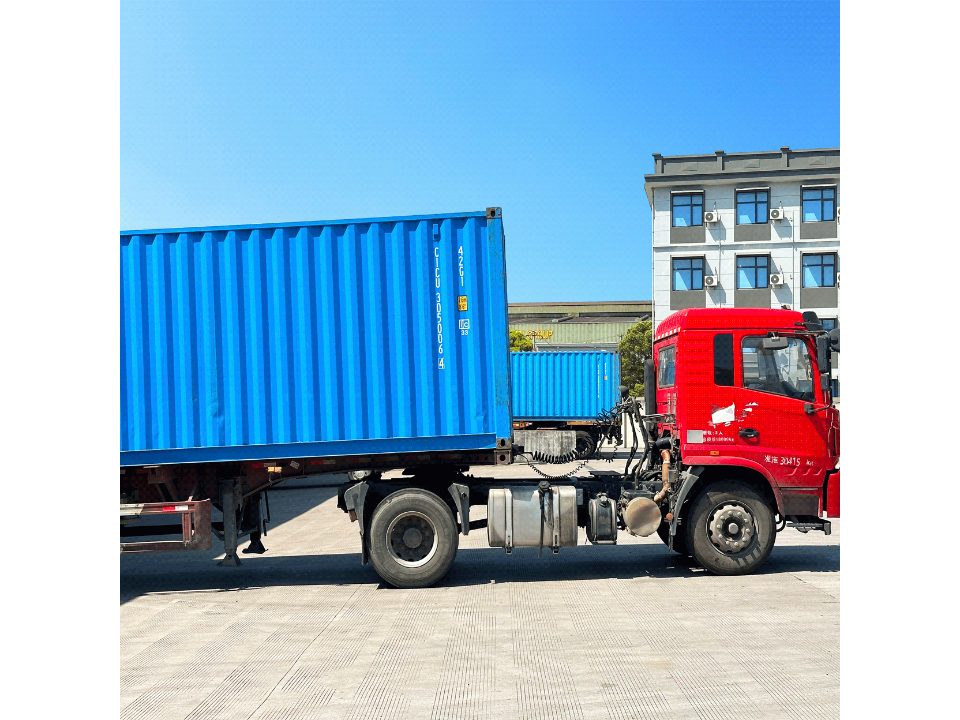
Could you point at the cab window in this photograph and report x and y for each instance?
(788, 371)
(666, 366)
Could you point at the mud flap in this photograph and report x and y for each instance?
(354, 498)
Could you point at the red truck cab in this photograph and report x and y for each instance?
(746, 397)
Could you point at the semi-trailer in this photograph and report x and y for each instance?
(253, 354)
(572, 391)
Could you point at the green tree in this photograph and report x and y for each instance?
(634, 348)
(520, 342)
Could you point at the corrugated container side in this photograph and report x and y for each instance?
(296, 340)
(564, 385)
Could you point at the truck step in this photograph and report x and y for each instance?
(806, 523)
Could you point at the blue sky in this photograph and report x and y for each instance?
(236, 113)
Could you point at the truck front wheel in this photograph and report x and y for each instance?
(730, 530)
(413, 538)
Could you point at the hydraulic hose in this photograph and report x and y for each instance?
(665, 474)
(633, 450)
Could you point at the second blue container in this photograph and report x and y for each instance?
(563, 385)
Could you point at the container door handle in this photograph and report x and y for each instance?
(748, 433)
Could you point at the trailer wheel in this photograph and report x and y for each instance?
(586, 445)
(730, 530)
(413, 538)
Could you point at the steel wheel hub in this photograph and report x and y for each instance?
(412, 539)
(731, 528)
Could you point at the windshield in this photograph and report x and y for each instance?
(784, 372)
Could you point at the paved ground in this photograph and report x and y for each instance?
(630, 631)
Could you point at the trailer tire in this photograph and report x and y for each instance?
(413, 538)
(730, 529)
(586, 445)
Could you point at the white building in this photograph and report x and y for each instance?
(755, 229)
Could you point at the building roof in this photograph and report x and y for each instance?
(722, 168)
(579, 311)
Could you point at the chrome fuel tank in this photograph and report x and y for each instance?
(525, 517)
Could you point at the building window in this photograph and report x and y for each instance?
(687, 210)
(819, 204)
(829, 324)
(819, 270)
(687, 273)
(752, 207)
(753, 272)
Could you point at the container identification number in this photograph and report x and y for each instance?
(436, 276)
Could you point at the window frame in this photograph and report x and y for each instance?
(703, 271)
(691, 194)
(803, 268)
(821, 188)
(724, 376)
(672, 349)
(736, 205)
(809, 353)
(766, 279)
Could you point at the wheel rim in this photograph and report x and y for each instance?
(412, 539)
(731, 528)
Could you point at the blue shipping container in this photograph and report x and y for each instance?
(350, 337)
(564, 385)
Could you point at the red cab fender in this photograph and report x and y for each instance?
(709, 460)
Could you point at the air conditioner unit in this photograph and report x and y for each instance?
(711, 216)
(776, 213)
(710, 281)
(776, 279)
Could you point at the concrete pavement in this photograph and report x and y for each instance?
(629, 631)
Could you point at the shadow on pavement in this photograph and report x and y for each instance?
(473, 566)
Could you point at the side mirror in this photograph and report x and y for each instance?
(823, 353)
(624, 392)
(834, 336)
(811, 321)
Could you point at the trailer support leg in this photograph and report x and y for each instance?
(229, 497)
(251, 522)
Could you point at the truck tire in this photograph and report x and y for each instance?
(730, 529)
(412, 539)
(586, 445)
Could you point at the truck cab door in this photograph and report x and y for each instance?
(772, 427)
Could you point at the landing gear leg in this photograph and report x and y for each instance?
(229, 498)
